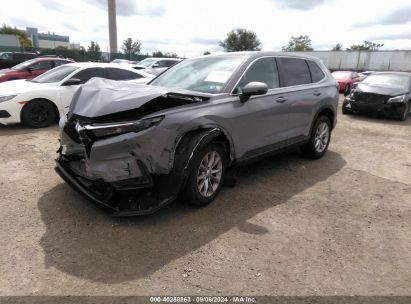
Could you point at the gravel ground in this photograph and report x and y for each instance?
(336, 226)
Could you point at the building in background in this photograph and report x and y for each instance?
(9, 41)
(49, 40)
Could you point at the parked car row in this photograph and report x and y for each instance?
(133, 142)
(40, 101)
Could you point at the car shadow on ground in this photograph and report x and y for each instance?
(83, 241)
(20, 129)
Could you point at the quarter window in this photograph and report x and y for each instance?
(293, 71)
(316, 73)
(263, 70)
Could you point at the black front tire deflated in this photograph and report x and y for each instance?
(191, 193)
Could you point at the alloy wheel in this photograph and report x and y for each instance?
(209, 174)
(322, 136)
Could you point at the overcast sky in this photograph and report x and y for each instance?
(190, 27)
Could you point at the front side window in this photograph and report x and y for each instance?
(293, 71)
(55, 75)
(204, 74)
(263, 70)
(41, 65)
(86, 74)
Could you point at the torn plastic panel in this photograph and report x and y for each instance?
(132, 172)
(143, 193)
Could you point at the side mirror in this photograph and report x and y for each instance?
(71, 81)
(253, 88)
(155, 65)
(30, 69)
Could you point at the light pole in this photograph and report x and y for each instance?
(112, 25)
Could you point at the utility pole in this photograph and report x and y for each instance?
(112, 25)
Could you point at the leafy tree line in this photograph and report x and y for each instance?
(247, 40)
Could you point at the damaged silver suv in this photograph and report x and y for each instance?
(134, 148)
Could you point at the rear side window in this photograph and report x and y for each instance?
(263, 70)
(316, 73)
(86, 74)
(119, 74)
(293, 71)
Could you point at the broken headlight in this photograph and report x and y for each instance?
(397, 99)
(106, 130)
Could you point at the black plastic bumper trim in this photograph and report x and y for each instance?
(79, 187)
(4, 114)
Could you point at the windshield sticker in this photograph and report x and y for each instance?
(218, 76)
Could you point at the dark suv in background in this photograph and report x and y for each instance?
(134, 148)
(9, 59)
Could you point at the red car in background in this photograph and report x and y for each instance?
(346, 79)
(31, 68)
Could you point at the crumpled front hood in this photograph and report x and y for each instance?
(101, 97)
(381, 90)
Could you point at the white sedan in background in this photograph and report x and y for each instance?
(155, 65)
(39, 102)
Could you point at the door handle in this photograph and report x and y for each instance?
(317, 93)
(280, 99)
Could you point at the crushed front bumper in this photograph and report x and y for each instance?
(129, 197)
(375, 107)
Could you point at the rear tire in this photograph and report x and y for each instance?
(206, 176)
(38, 114)
(319, 139)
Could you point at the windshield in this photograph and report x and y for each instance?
(205, 74)
(55, 75)
(23, 65)
(399, 81)
(147, 62)
(342, 75)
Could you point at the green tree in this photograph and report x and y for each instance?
(337, 47)
(164, 54)
(241, 40)
(366, 46)
(131, 47)
(93, 51)
(206, 53)
(8, 30)
(298, 44)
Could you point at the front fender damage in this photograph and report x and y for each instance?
(132, 173)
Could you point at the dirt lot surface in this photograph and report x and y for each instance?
(336, 226)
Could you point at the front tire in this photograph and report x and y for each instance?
(206, 176)
(38, 114)
(404, 114)
(345, 109)
(319, 139)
